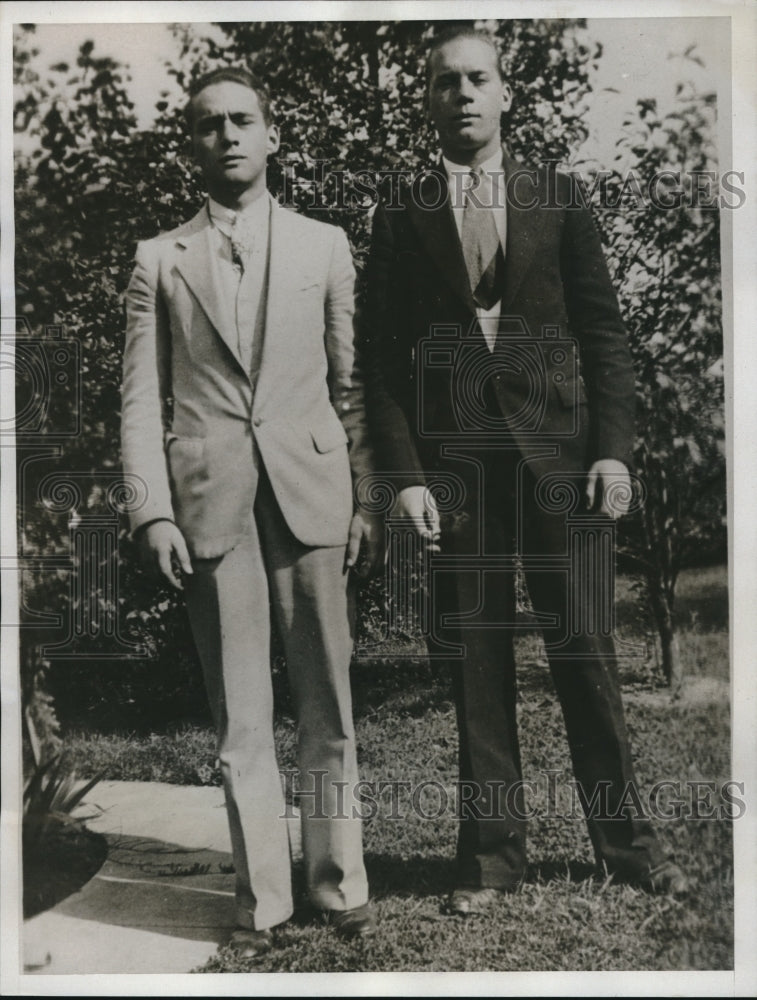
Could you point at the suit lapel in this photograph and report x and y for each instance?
(525, 220)
(431, 214)
(197, 262)
(435, 226)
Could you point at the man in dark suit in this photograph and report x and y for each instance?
(500, 369)
(243, 414)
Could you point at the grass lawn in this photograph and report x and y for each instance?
(563, 917)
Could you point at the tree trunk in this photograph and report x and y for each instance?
(672, 667)
(660, 525)
(671, 654)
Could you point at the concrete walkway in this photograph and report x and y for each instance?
(163, 900)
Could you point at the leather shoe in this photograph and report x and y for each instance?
(249, 944)
(464, 902)
(666, 879)
(360, 922)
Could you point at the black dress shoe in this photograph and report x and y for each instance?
(359, 922)
(666, 879)
(250, 944)
(464, 902)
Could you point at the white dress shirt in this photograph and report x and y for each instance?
(491, 193)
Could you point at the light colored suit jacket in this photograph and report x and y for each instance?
(195, 423)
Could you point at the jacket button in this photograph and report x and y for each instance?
(257, 421)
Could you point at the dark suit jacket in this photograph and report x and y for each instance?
(560, 380)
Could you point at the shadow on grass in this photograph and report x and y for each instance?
(560, 871)
(701, 597)
(58, 864)
(707, 607)
(389, 875)
(412, 687)
(159, 886)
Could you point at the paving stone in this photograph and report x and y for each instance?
(163, 900)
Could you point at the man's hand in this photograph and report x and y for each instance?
(614, 484)
(164, 550)
(366, 532)
(416, 504)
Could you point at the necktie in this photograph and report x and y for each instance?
(481, 249)
(247, 245)
(242, 242)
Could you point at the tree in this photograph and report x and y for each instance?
(661, 225)
(81, 167)
(90, 183)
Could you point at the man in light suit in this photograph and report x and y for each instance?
(243, 414)
(499, 362)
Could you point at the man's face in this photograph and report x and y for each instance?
(466, 95)
(230, 139)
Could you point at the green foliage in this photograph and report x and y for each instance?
(42, 726)
(356, 103)
(50, 794)
(664, 248)
(187, 756)
(90, 183)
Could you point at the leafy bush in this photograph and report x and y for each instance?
(90, 183)
(50, 795)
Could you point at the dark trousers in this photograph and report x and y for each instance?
(492, 834)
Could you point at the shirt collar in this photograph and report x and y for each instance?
(253, 214)
(491, 166)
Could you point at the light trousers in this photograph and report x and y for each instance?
(231, 601)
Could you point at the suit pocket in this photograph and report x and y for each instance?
(328, 435)
(186, 462)
(184, 443)
(212, 484)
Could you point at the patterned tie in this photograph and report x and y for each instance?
(242, 241)
(481, 249)
(248, 244)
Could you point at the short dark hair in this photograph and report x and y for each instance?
(230, 74)
(455, 31)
